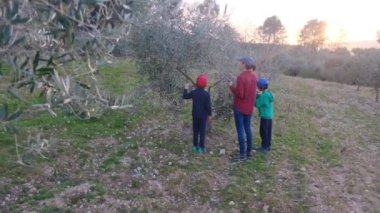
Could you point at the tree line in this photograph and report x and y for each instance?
(311, 59)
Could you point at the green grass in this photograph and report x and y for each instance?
(5, 189)
(139, 210)
(329, 151)
(55, 210)
(43, 195)
(99, 188)
(173, 145)
(67, 127)
(121, 77)
(237, 193)
(110, 162)
(136, 184)
(298, 147)
(5, 69)
(202, 189)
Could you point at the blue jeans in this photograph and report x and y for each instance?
(243, 124)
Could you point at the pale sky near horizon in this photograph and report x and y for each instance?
(358, 20)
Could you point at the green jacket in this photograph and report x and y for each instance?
(264, 102)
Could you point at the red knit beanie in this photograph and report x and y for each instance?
(202, 81)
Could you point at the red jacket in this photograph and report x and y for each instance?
(245, 92)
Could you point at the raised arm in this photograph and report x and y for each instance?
(238, 91)
(187, 94)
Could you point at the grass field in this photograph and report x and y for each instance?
(325, 156)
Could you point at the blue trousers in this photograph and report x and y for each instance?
(243, 125)
(199, 131)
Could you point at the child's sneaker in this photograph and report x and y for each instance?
(262, 150)
(201, 150)
(240, 158)
(194, 149)
(249, 155)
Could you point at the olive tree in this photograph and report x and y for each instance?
(55, 46)
(39, 39)
(370, 68)
(174, 44)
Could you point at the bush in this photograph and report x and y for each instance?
(293, 71)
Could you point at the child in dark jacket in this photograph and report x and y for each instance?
(201, 112)
(264, 102)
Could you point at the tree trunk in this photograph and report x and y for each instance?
(269, 37)
(377, 94)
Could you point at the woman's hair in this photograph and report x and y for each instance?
(248, 67)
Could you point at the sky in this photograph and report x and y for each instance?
(353, 20)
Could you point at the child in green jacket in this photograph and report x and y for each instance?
(264, 102)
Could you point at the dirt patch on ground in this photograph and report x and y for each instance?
(104, 142)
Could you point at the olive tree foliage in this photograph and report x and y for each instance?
(354, 71)
(54, 47)
(38, 38)
(359, 67)
(333, 64)
(300, 61)
(370, 68)
(176, 43)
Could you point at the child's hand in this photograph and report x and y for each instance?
(232, 81)
(187, 86)
(209, 119)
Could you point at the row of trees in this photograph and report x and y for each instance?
(359, 67)
(273, 31)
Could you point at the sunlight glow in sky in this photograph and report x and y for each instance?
(357, 20)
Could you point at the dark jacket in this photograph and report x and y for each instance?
(201, 102)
